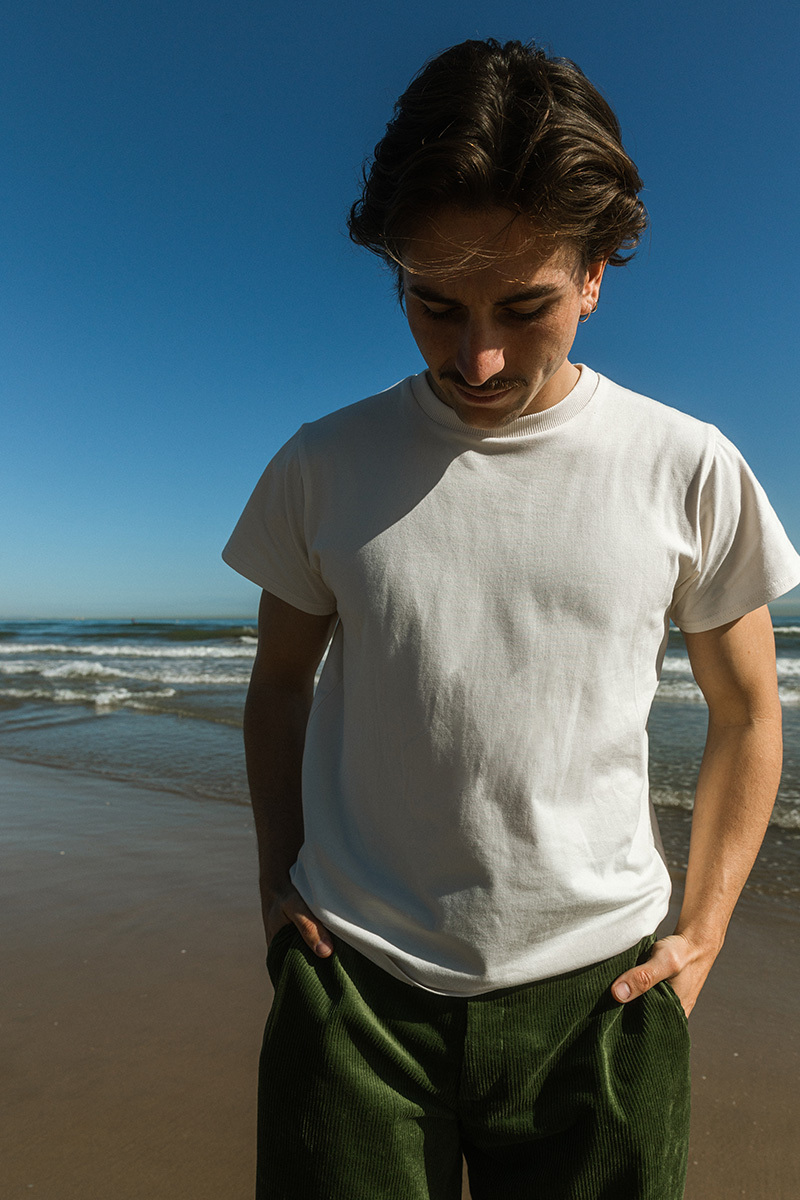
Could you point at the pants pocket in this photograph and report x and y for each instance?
(668, 990)
(276, 951)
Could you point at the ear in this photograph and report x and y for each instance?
(590, 293)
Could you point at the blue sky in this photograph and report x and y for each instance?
(179, 292)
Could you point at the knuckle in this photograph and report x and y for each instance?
(645, 978)
(306, 926)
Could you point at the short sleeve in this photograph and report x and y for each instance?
(269, 544)
(742, 557)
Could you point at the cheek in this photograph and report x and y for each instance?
(559, 333)
(549, 345)
(418, 335)
(433, 344)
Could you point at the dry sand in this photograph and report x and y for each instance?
(134, 995)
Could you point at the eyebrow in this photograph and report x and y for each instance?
(539, 292)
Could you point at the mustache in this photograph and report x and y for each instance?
(497, 384)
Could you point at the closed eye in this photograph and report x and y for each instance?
(438, 314)
(511, 314)
(535, 315)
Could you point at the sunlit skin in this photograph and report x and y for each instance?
(496, 336)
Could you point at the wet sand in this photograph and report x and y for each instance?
(134, 995)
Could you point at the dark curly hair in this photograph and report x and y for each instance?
(487, 125)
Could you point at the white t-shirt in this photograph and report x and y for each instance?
(475, 790)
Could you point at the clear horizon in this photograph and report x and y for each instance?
(788, 606)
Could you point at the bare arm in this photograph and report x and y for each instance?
(290, 646)
(734, 666)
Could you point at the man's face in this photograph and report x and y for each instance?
(493, 307)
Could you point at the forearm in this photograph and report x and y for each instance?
(734, 665)
(736, 789)
(275, 720)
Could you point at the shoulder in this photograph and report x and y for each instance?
(364, 421)
(651, 427)
(645, 410)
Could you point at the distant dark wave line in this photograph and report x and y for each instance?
(165, 632)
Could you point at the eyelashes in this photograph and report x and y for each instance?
(444, 315)
(536, 315)
(510, 314)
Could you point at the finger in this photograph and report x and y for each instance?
(638, 980)
(312, 930)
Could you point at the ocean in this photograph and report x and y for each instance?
(159, 704)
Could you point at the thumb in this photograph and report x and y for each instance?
(640, 979)
(311, 928)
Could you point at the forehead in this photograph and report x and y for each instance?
(486, 249)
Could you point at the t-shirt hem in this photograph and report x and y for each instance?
(542, 965)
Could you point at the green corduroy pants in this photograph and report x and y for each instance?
(371, 1089)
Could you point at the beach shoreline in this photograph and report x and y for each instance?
(135, 995)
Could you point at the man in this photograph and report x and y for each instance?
(460, 867)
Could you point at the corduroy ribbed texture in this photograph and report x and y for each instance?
(371, 1089)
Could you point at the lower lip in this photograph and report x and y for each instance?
(483, 397)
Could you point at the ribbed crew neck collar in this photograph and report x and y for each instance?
(521, 427)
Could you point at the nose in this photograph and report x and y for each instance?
(480, 353)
